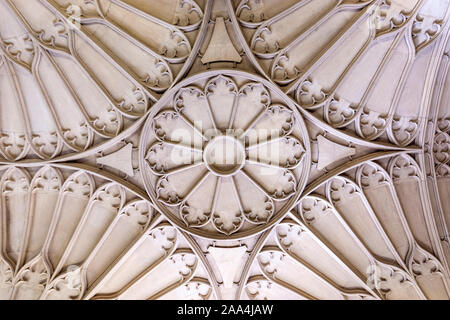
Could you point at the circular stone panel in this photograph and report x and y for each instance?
(224, 154)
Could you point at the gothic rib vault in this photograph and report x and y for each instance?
(245, 149)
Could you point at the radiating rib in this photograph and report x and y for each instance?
(79, 62)
(197, 184)
(30, 136)
(185, 27)
(250, 22)
(256, 184)
(274, 278)
(414, 250)
(117, 103)
(36, 33)
(159, 62)
(374, 81)
(184, 279)
(92, 273)
(264, 164)
(347, 76)
(182, 146)
(183, 168)
(328, 78)
(216, 195)
(252, 123)
(46, 182)
(73, 199)
(114, 59)
(373, 262)
(190, 124)
(233, 111)
(293, 81)
(320, 275)
(159, 22)
(141, 277)
(84, 67)
(98, 48)
(346, 265)
(99, 88)
(115, 266)
(258, 278)
(372, 216)
(87, 214)
(52, 107)
(13, 132)
(14, 180)
(265, 27)
(118, 294)
(265, 142)
(237, 197)
(210, 113)
(77, 100)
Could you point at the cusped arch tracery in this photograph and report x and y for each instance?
(224, 155)
(358, 66)
(248, 167)
(70, 234)
(351, 238)
(78, 74)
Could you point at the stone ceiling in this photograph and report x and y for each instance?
(224, 149)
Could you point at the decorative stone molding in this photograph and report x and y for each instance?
(219, 149)
(213, 143)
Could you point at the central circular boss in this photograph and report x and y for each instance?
(224, 154)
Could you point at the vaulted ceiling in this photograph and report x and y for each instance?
(224, 149)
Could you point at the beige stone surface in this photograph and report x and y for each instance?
(224, 149)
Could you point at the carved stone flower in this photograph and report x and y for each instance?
(224, 157)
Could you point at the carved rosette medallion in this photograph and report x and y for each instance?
(224, 154)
